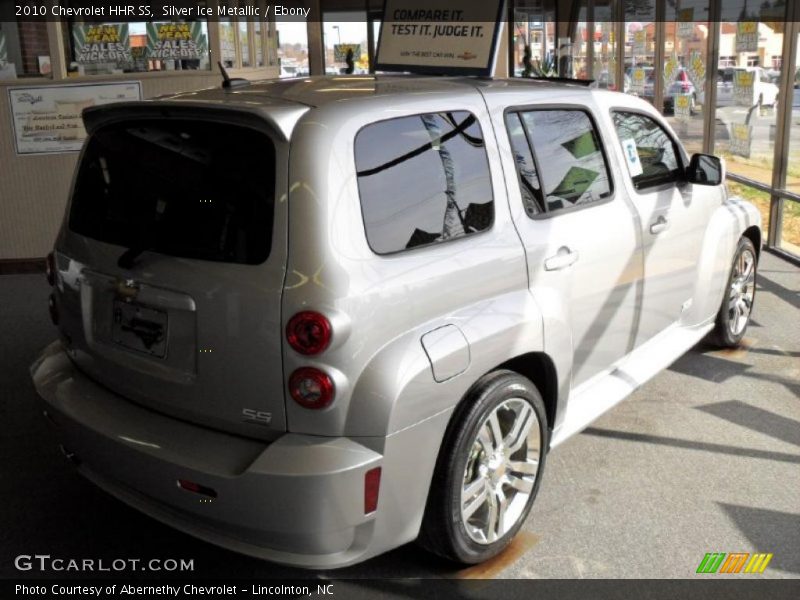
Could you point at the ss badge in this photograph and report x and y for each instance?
(258, 417)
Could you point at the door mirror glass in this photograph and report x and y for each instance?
(705, 169)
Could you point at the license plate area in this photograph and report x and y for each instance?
(140, 328)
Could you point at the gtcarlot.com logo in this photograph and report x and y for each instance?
(46, 562)
(734, 562)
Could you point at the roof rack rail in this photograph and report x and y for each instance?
(227, 82)
(583, 82)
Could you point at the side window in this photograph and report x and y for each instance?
(423, 180)
(651, 154)
(574, 170)
(530, 187)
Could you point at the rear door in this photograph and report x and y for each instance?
(173, 257)
(581, 237)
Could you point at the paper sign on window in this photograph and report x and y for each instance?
(632, 157)
(747, 36)
(683, 106)
(741, 139)
(685, 29)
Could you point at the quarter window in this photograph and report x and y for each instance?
(567, 149)
(530, 187)
(655, 161)
(422, 180)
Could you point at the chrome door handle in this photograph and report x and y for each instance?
(659, 225)
(561, 260)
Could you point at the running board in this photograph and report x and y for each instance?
(601, 393)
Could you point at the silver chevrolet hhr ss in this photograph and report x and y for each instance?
(313, 320)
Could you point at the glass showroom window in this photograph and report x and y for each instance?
(292, 48)
(604, 69)
(534, 29)
(109, 48)
(227, 43)
(24, 49)
(640, 27)
(684, 71)
(244, 43)
(580, 45)
(747, 103)
(790, 212)
(343, 32)
(258, 41)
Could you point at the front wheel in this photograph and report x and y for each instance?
(737, 304)
(488, 471)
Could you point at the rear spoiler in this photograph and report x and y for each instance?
(274, 119)
(583, 82)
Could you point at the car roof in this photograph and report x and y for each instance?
(322, 90)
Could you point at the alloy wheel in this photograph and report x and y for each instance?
(501, 471)
(742, 292)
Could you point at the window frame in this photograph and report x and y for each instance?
(547, 214)
(680, 152)
(430, 245)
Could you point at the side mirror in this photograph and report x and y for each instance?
(705, 169)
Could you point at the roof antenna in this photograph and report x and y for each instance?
(227, 82)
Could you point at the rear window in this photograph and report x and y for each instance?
(188, 188)
(423, 180)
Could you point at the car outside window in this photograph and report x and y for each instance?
(422, 180)
(657, 162)
(572, 168)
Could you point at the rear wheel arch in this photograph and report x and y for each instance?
(539, 368)
(439, 531)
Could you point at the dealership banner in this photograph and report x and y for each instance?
(741, 139)
(747, 36)
(102, 43)
(696, 70)
(671, 70)
(439, 36)
(176, 41)
(683, 106)
(640, 42)
(47, 118)
(685, 28)
(340, 51)
(638, 76)
(744, 88)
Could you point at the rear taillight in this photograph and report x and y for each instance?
(191, 486)
(53, 308)
(311, 388)
(50, 268)
(372, 487)
(308, 332)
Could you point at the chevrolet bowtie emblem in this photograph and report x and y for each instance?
(127, 288)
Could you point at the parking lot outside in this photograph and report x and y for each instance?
(704, 458)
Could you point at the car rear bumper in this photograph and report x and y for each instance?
(298, 500)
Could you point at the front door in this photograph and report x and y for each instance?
(672, 219)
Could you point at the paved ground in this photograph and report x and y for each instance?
(704, 458)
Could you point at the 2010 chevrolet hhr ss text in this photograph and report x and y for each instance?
(313, 320)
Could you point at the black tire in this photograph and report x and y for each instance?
(725, 334)
(443, 529)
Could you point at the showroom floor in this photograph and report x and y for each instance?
(704, 458)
